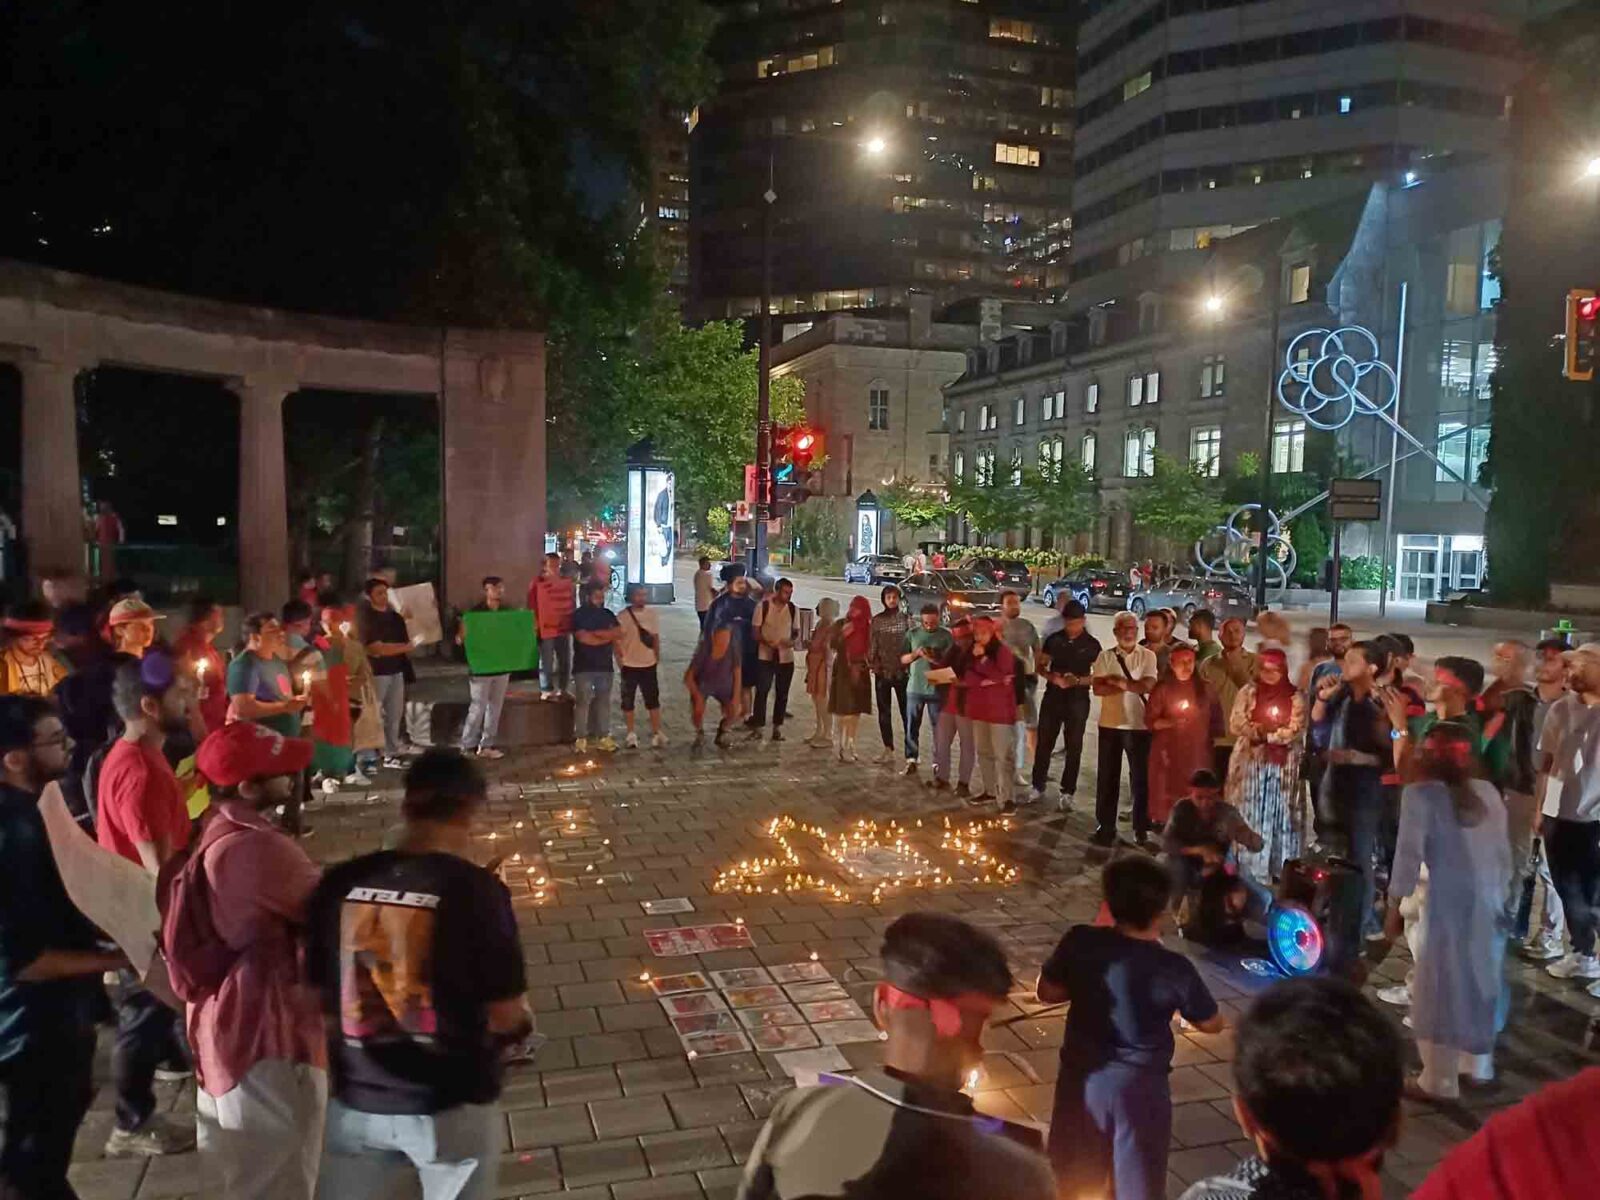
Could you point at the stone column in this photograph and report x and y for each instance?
(52, 488)
(263, 499)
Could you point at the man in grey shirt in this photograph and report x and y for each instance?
(1022, 637)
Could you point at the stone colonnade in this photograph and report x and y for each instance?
(489, 385)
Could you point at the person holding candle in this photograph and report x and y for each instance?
(1268, 722)
(953, 722)
(27, 668)
(1184, 719)
(850, 692)
(986, 679)
(196, 649)
(1123, 676)
(926, 644)
(1227, 671)
(1197, 847)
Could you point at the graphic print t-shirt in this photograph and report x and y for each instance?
(406, 950)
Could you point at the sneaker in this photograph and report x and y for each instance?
(607, 743)
(581, 745)
(1576, 966)
(1594, 989)
(658, 740)
(173, 1074)
(885, 755)
(631, 741)
(777, 733)
(547, 695)
(357, 779)
(977, 801)
(1035, 795)
(752, 723)
(1104, 837)
(939, 785)
(910, 768)
(490, 752)
(1399, 995)
(1064, 803)
(1008, 806)
(410, 750)
(753, 733)
(154, 1138)
(1543, 951)
(721, 740)
(330, 786)
(962, 791)
(699, 744)
(393, 763)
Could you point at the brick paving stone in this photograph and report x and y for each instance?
(760, 1097)
(1201, 1125)
(569, 1022)
(528, 1173)
(707, 1106)
(558, 1125)
(581, 1086)
(170, 1176)
(666, 1187)
(601, 1162)
(722, 1183)
(631, 1116)
(645, 1014)
(106, 1179)
(685, 1150)
(731, 1068)
(590, 995)
(609, 1048)
(652, 1076)
(740, 1137)
(999, 1104)
(1188, 1083)
(577, 952)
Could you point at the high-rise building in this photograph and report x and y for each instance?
(666, 207)
(913, 144)
(1197, 119)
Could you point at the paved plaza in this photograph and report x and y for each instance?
(613, 1110)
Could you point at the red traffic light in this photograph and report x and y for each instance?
(1589, 308)
(803, 442)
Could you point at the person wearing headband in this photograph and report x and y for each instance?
(1318, 1073)
(27, 668)
(1111, 1121)
(908, 1129)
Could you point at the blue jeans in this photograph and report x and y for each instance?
(455, 1154)
(592, 716)
(920, 703)
(555, 663)
(1109, 1131)
(392, 704)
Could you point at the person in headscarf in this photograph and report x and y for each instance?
(850, 693)
(1185, 719)
(27, 668)
(1453, 826)
(1268, 721)
(819, 663)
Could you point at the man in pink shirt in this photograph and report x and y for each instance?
(259, 1045)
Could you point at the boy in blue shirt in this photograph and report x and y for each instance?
(1112, 1118)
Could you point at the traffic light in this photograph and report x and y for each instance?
(1583, 334)
(806, 447)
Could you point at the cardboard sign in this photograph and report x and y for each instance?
(418, 604)
(697, 939)
(498, 643)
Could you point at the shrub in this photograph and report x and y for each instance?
(1363, 571)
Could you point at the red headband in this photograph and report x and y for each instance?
(1361, 1170)
(1273, 654)
(946, 1011)
(37, 628)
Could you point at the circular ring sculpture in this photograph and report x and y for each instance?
(1332, 376)
(1294, 939)
(1238, 548)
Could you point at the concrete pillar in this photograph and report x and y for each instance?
(52, 489)
(263, 498)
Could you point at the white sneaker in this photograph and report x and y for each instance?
(490, 752)
(1543, 951)
(658, 740)
(1576, 966)
(581, 745)
(631, 741)
(1399, 995)
(910, 768)
(357, 779)
(1594, 989)
(330, 786)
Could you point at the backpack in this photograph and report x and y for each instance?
(198, 960)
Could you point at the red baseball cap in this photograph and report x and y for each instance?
(244, 750)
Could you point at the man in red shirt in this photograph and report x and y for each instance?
(141, 816)
(198, 657)
(259, 1043)
(553, 597)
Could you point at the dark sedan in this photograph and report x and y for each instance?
(1186, 593)
(956, 593)
(1095, 589)
(1005, 572)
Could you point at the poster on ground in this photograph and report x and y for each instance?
(697, 939)
(501, 642)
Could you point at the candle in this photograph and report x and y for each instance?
(200, 667)
(344, 628)
(305, 680)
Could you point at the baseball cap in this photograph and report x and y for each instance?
(1592, 649)
(244, 750)
(132, 608)
(1072, 610)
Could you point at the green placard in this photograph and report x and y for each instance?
(499, 643)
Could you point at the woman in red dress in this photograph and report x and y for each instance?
(1185, 718)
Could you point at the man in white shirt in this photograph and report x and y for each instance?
(1122, 676)
(1569, 776)
(776, 625)
(705, 590)
(639, 650)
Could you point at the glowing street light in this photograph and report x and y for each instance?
(1213, 305)
(1591, 169)
(875, 145)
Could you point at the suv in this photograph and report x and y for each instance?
(875, 568)
(1092, 587)
(1006, 572)
(1186, 593)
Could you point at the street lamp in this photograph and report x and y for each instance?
(1213, 304)
(1591, 169)
(875, 146)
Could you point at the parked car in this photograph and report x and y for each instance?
(1006, 572)
(1185, 593)
(875, 568)
(957, 593)
(1094, 588)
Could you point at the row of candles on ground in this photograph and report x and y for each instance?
(918, 871)
(536, 881)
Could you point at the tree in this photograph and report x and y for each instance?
(1178, 501)
(915, 505)
(988, 508)
(1062, 499)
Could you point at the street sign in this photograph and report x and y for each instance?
(741, 510)
(1355, 499)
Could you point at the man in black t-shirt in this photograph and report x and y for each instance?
(1068, 657)
(595, 633)
(415, 953)
(388, 644)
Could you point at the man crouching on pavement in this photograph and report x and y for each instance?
(907, 1129)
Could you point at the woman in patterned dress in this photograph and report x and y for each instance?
(1268, 721)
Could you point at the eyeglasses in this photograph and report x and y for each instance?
(56, 739)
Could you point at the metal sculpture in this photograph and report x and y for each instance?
(1239, 546)
(1332, 376)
